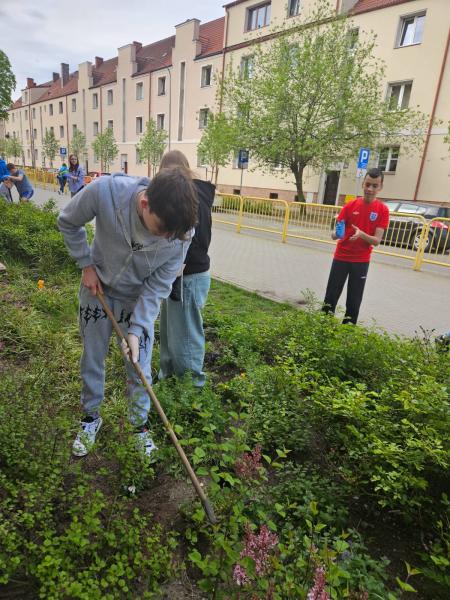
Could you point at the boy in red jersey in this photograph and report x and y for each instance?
(360, 226)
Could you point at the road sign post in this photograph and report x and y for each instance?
(361, 169)
(242, 163)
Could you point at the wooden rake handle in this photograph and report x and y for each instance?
(201, 494)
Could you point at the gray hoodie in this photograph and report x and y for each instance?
(141, 269)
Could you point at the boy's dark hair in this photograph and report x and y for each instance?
(375, 173)
(10, 166)
(172, 197)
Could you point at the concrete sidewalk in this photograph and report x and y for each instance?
(396, 298)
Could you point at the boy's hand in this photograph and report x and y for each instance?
(130, 347)
(356, 235)
(90, 280)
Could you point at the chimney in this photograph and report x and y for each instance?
(98, 61)
(55, 76)
(30, 82)
(64, 74)
(137, 45)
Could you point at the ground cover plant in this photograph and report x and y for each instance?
(324, 449)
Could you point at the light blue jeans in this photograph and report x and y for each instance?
(96, 330)
(182, 337)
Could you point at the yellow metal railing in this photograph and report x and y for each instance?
(410, 237)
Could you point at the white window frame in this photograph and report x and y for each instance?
(110, 124)
(401, 29)
(138, 158)
(294, 7)
(206, 69)
(50, 110)
(74, 105)
(140, 122)
(161, 85)
(389, 159)
(251, 10)
(203, 115)
(95, 100)
(60, 108)
(74, 129)
(95, 128)
(161, 121)
(402, 85)
(246, 66)
(61, 131)
(109, 97)
(140, 90)
(33, 113)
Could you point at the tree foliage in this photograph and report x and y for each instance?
(7, 85)
(50, 145)
(14, 148)
(78, 144)
(218, 142)
(313, 97)
(151, 145)
(105, 148)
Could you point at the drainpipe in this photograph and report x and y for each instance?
(101, 122)
(433, 112)
(67, 127)
(149, 111)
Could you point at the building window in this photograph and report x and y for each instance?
(50, 109)
(206, 76)
(139, 125)
(203, 118)
(294, 8)
(34, 134)
(258, 17)
(110, 124)
(201, 160)
(26, 114)
(399, 95)
(109, 97)
(96, 158)
(95, 128)
(13, 117)
(74, 105)
(160, 121)
(139, 91)
(138, 157)
(27, 134)
(74, 129)
(52, 130)
(161, 86)
(247, 67)
(353, 36)
(94, 100)
(61, 131)
(33, 113)
(28, 153)
(25, 97)
(411, 30)
(61, 109)
(388, 159)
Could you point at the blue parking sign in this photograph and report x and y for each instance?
(243, 159)
(63, 151)
(363, 158)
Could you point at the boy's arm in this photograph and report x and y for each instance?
(72, 219)
(373, 240)
(16, 177)
(156, 287)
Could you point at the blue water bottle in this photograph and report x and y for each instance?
(340, 229)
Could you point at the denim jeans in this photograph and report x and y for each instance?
(182, 346)
(96, 330)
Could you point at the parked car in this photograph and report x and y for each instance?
(94, 174)
(407, 230)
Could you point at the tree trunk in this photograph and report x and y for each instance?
(298, 174)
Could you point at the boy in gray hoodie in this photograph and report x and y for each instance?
(142, 233)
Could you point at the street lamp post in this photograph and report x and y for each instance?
(170, 92)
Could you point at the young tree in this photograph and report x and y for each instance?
(151, 145)
(105, 148)
(218, 143)
(4, 147)
(7, 85)
(50, 146)
(78, 145)
(14, 148)
(313, 97)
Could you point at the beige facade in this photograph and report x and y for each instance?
(174, 82)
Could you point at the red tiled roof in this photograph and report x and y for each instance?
(211, 37)
(161, 51)
(105, 73)
(55, 90)
(368, 5)
(17, 103)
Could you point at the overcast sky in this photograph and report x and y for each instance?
(38, 36)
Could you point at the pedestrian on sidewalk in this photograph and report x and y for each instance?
(5, 190)
(360, 226)
(142, 234)
(75, 175)
(21, 181)
(182, 339)
(61, 176)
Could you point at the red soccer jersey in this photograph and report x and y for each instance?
(368, 217)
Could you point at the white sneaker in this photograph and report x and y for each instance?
(145, 442)
(86, 437)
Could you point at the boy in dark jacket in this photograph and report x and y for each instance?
(182, 338)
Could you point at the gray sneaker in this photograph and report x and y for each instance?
(86, 436)
(145, 443)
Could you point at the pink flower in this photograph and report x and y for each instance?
(249, 465)
(240, 576)
(258, 547)
(318, 591)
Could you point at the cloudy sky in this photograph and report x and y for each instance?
(38, 36)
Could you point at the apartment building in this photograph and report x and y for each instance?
(174, 82)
